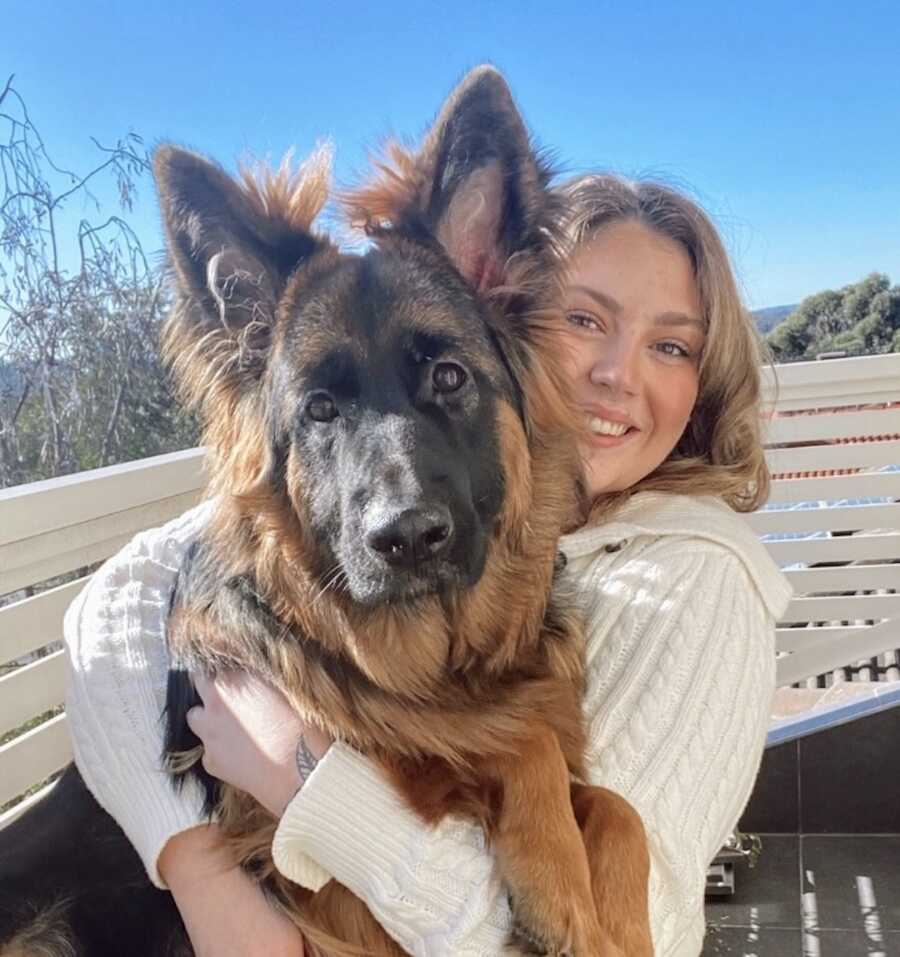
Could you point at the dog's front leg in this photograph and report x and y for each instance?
(542, 857)
(619, 861)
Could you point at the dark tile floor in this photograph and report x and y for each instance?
(812, 896)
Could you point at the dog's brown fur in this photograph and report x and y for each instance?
(471, 702)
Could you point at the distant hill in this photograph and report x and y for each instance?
(768, 319)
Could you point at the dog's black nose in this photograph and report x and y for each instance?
(413, 536)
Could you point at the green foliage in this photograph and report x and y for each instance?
(861, 319)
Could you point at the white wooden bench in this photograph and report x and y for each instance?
(847, 577)
(833, 524)
(47, 530)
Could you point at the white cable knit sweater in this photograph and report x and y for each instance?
(681, 601)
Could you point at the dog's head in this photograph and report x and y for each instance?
(379, 398)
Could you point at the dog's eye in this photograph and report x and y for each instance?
(321, 408)
(448, 377)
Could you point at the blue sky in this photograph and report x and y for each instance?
(781, 118)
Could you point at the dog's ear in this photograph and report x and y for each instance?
(487, 186)
(477, 185)
(232, 247)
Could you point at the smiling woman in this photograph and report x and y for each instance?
(658, 340)
(633, 350)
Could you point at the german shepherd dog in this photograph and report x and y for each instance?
(392, 465)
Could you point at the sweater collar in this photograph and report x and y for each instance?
(661, 514)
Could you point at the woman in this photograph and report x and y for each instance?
(680, 599)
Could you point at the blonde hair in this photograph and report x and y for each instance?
(720, 452)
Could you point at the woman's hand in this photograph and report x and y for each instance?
(253, 739)
(224, 910)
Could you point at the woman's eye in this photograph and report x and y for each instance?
(448, 377)
(582, 320)
(321, 408)
(674, 349)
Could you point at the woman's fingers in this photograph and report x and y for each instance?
(251, 733)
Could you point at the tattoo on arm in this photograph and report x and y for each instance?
(306, 760)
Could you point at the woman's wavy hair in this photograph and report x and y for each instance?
(721, 451)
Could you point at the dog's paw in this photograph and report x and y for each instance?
(533, 932)
(538, 932)
(528, 942)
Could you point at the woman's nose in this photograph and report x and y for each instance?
(617, 369)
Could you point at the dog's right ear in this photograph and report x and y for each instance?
(476, 186)
(232, 248)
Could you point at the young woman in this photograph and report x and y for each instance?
(680, 599)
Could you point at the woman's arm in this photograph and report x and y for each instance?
(254, 740)
(680, 682)
(223, 909)
(434, 890)
(115, 697)
(679, 703)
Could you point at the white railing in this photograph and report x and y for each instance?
(837, 535)
(835, 525)
(52, 529)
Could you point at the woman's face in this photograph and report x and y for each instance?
(633, 339)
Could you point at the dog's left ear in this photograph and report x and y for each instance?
(477, 185)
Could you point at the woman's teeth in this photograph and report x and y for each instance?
(605, 427)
